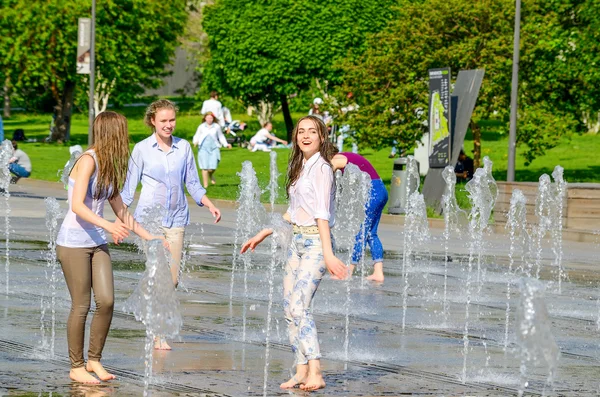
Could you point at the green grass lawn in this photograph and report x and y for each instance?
(579, 156)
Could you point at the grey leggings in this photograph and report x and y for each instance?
(87, 269)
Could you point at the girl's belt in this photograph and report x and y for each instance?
(306, 229)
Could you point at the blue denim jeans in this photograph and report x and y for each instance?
(373, 209)
(18, 170)
(303, 273)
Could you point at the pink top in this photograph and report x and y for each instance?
(312, 195)
(362, 164)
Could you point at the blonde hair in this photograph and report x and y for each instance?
(155, 107)
(296, 158)
(111, 146)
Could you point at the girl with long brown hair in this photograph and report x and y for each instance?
(82, 248)
(311, 191)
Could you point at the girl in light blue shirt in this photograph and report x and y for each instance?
(164, 164)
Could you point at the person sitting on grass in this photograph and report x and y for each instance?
(264, 140)
(19, 164)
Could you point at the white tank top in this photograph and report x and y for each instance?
(74, 231)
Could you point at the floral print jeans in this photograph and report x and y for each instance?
(303, 272)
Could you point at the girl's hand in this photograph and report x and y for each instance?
(118, 230)
(229, 146)
(215, 213)
(254, 241)
(164, 241)
(336, 267)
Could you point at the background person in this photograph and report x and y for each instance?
(214, 106)
(209, 139)
(260, 140)
(19, 164)
(464, 168)
(315, 110)
(373, 210)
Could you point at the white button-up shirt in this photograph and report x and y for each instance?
(216, 108)
(212, 131)
(312, 195)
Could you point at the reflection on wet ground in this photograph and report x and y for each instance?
(210, 357)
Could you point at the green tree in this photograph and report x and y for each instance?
(559, 43)
(7, 34)
(135, 40)
(263, 51)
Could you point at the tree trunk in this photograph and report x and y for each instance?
(593, 125)
(476, 144)
(64, 109)
(7, 97)
(265, 112)
(289, 123)
(102, 93)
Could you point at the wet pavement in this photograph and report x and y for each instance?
(214, 356)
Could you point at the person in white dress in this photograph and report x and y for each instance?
(209, 139)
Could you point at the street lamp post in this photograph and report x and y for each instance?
(512, 136)
(92, 74)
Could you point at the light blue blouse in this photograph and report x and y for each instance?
(163, 175)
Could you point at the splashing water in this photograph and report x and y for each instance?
(454, 219)
(517, 228)
(6, 152)
(350, 215)
(277, 226)
(53, 212)
(414, 222)
(154, 303)
(273, 180)
(364, 196)
(559, 189)
(486, 206)
(543, 205)
(482, 195)
(66, 171)
(534, 333)
(416, 232)
(282, 236)
(249, 216)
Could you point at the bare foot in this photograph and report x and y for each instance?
(293, 382)
(98, 369)
(313, 382)
(212, 181)
(377, 275)
(81, 375)
(161, 344)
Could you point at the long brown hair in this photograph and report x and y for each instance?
(111, 145)
(296, 157)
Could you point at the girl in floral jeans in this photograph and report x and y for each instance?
(311, 191)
